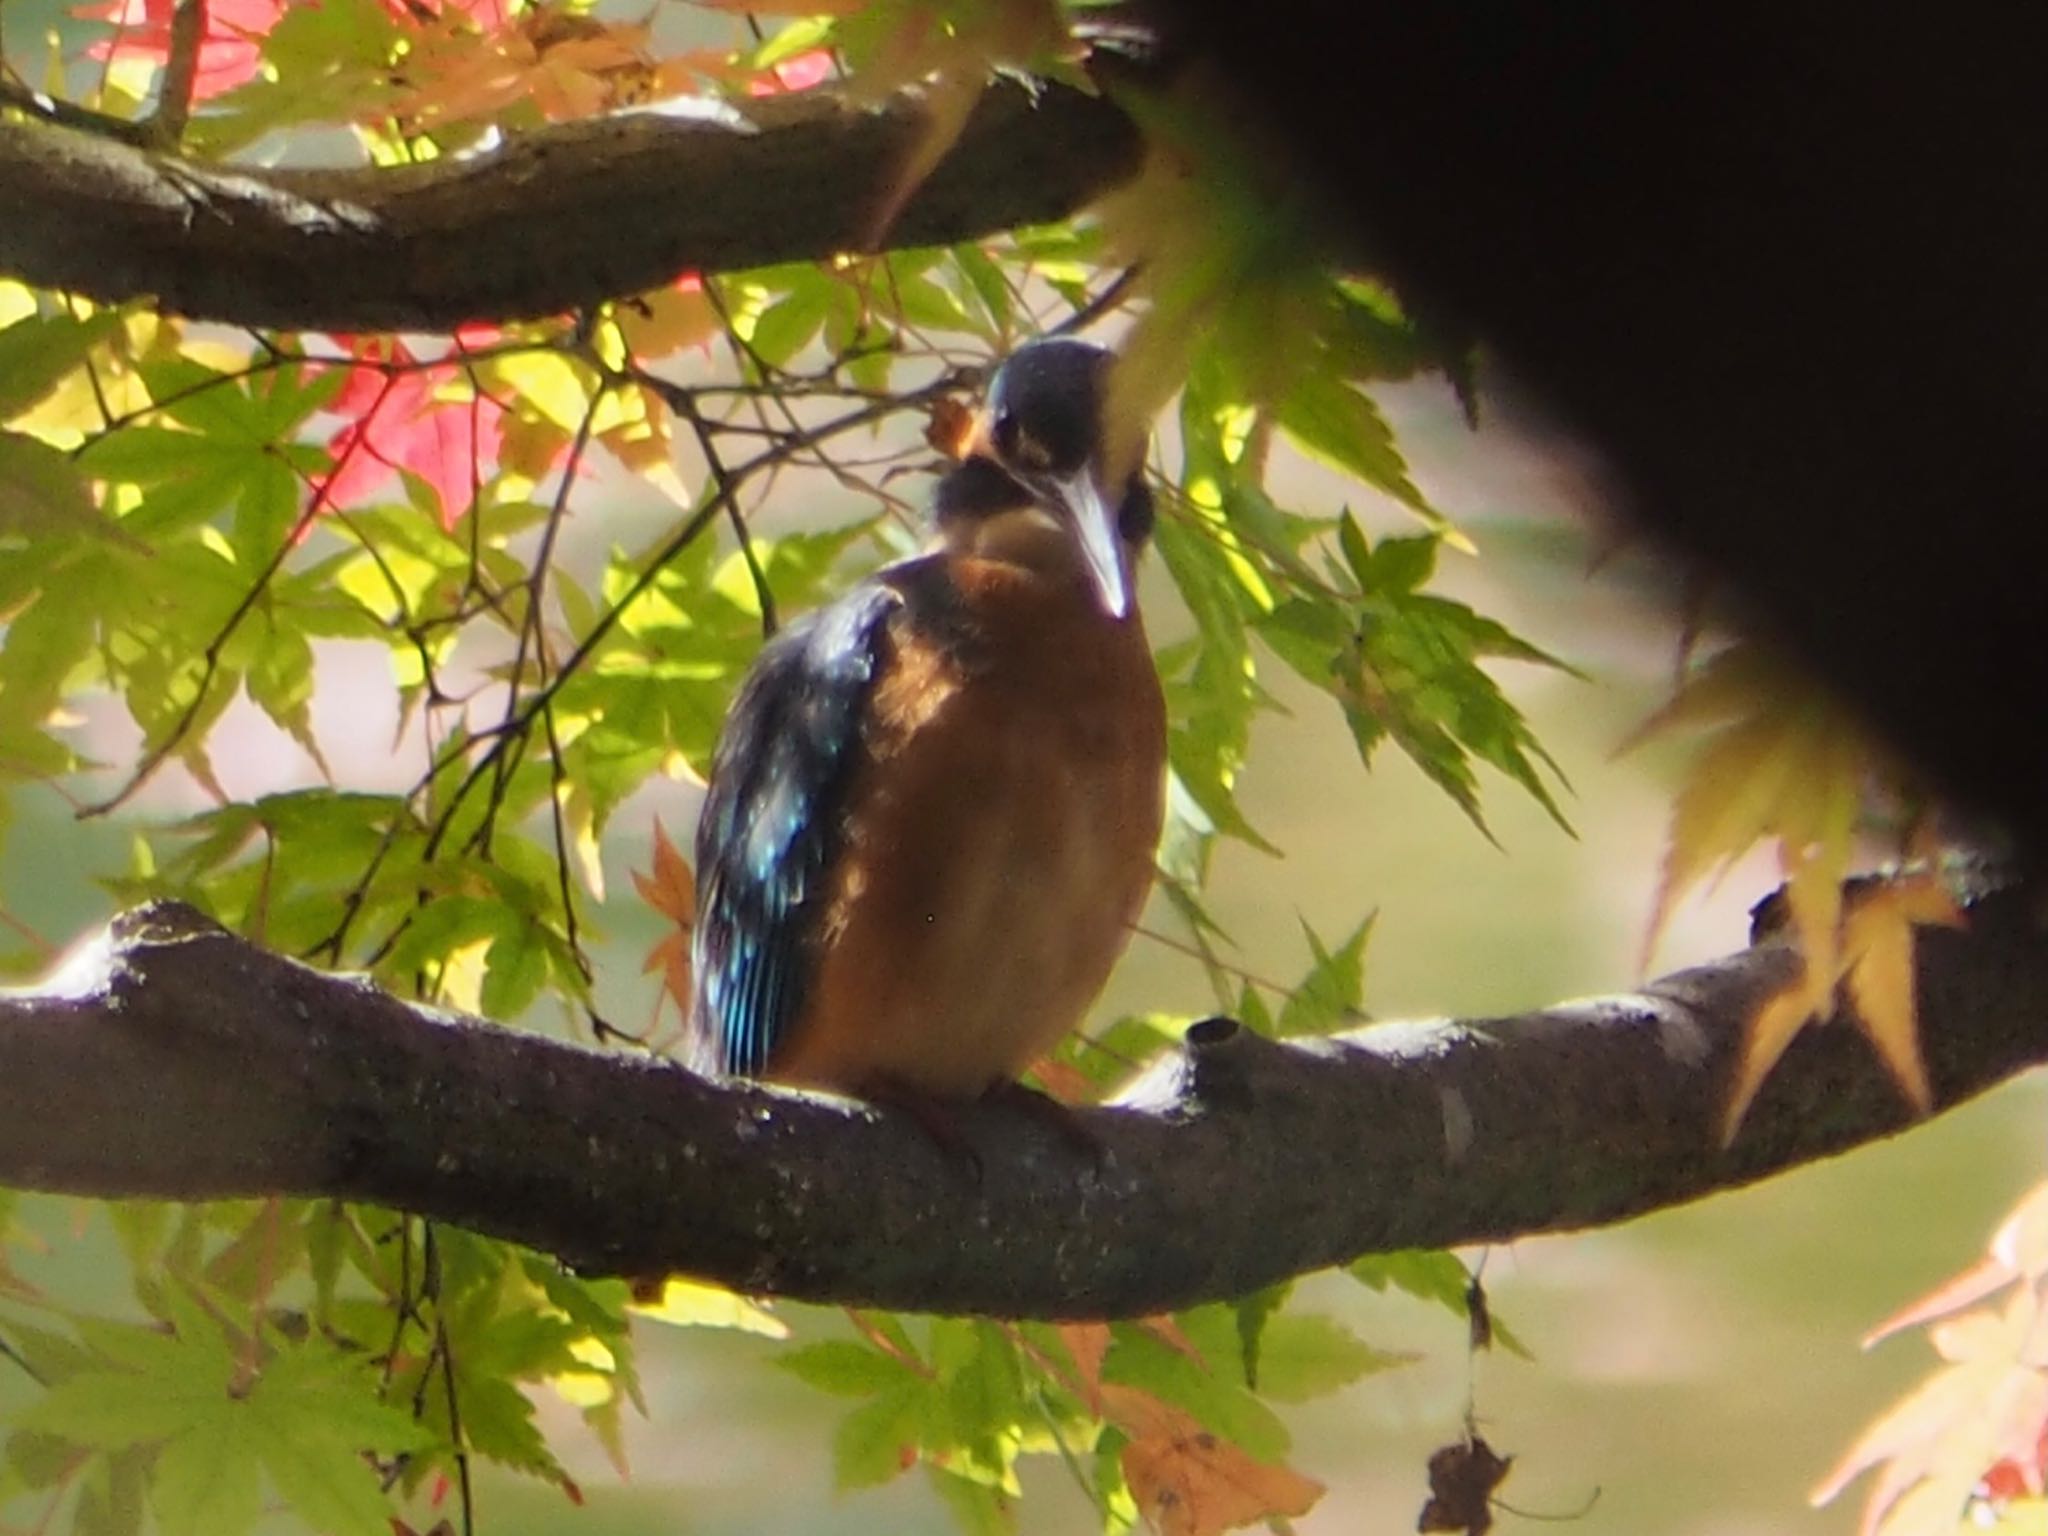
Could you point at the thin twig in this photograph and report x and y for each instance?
(530, 630)
(405, 1306)
(43, 947)
(68, 114)
(9, 1352)
(507, 738)
(1105, 301)
(1195, 952)
(180, 74)
(559, 780)
(721, 480)
(446, 1351)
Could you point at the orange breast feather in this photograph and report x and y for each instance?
(999, 847)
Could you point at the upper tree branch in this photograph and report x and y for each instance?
(188, 1063)
(556, 219)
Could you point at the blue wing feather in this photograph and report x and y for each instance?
(770, 829)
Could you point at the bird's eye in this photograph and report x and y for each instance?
(1017, 448)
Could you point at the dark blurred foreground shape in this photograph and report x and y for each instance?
(1784, 263)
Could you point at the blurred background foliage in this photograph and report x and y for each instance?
(391, 651)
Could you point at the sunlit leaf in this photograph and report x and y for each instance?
(1785, 765)
(38, 350)
(1303, 1356)
(693, 1304)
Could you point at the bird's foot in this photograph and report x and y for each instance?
(1056, 1115)
(937, 1117)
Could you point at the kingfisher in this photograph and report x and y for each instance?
(932, 814)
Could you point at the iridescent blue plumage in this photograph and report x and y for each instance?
(770, 828)
(931, 817)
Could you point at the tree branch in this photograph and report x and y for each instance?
(172, 1059)
(173, 110)
(557, 219)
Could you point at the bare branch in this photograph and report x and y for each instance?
(179, 1061)
(51, 109)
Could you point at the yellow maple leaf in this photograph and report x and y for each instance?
(695, 1304)
(1878, 941)
(1870, 954)
(638, 427)
(1785, 764)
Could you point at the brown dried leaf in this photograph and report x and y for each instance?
(1462, 1478)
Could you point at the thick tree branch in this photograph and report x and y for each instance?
(176, 1060)
(556, 219)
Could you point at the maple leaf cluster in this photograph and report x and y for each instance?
(1784, 765)
(231, 47)
(1971, 1440)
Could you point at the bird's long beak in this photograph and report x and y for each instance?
(1093, 524)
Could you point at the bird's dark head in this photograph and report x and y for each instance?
(1039, 444)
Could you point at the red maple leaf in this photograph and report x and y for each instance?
(404, 413)
(797, 73)
(230, 52)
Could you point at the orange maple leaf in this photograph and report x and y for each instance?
(1189, 1481)
(558, 63)
(1088, 1343)
(671, 889)
(667, 319)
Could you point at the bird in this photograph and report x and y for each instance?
(932, 814)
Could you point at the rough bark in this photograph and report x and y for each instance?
(556, 219)
(173, 1059)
